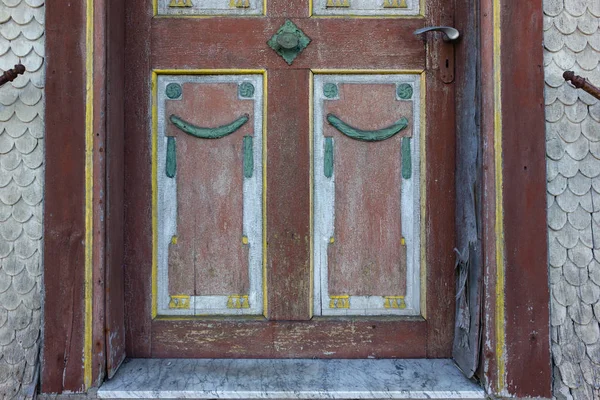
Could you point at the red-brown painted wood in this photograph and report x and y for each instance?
(524, 169)
(340, 338)
(241, 43)
(367, 257)
(288, 203)
(137, 180)
(287, 9)
(115, 132)
(64, 225)
(98, 356)
(208, 257)
(488, 367)
(440, 187)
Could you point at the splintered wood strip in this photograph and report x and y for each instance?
(241, 42)
(288, 202)
(286, 339)
(115, 133)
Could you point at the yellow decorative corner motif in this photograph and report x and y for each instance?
(338, 3)
(174, 240)
(395, 4)
(339, 301)
(332, 240)
(239, 3)
(403, 242)
(394, 302)
(181, 3)
(244, 239)
(181, 301)
(238, 301)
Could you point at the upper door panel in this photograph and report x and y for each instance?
(209, 7)
(366, 7)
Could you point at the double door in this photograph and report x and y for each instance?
(289, 179)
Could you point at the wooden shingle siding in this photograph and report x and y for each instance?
(21, 195)
(572, 42)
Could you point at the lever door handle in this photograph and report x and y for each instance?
(450, 34)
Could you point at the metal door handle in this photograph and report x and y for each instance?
(450, 34)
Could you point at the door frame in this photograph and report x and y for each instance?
(499, 76)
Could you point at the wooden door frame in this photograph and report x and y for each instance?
(499, 73)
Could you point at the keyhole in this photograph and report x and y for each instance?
(447, 63)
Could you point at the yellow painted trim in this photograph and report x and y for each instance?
(311, 152)
(154, 140)
(499, 211)
(264, 193)
(208, 318)
(367, 71)
(353, 16)
(89, 195)
(221, 71)
(423, 203)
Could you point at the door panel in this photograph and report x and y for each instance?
(367, 197)
(209, 178)
(194, 229)
(366, 7)
(209, 7)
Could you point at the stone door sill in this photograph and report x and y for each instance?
(289, 379)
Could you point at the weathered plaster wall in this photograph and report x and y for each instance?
(21, 192)
(572, 42)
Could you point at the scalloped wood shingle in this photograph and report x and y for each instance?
(21, 194)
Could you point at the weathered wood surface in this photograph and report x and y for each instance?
(467, 332)
(288, 203)
(440, 188)
(367, 257)
(115, 133)
(524, 170)
(22, 140)
(64, 225)
(522, 351)
(208, 256)
(488, 365)
(137, 182)
(322, 338)
(98, 200)
(573, 174)
(241, 43)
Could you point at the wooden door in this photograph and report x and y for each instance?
(289, 179)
